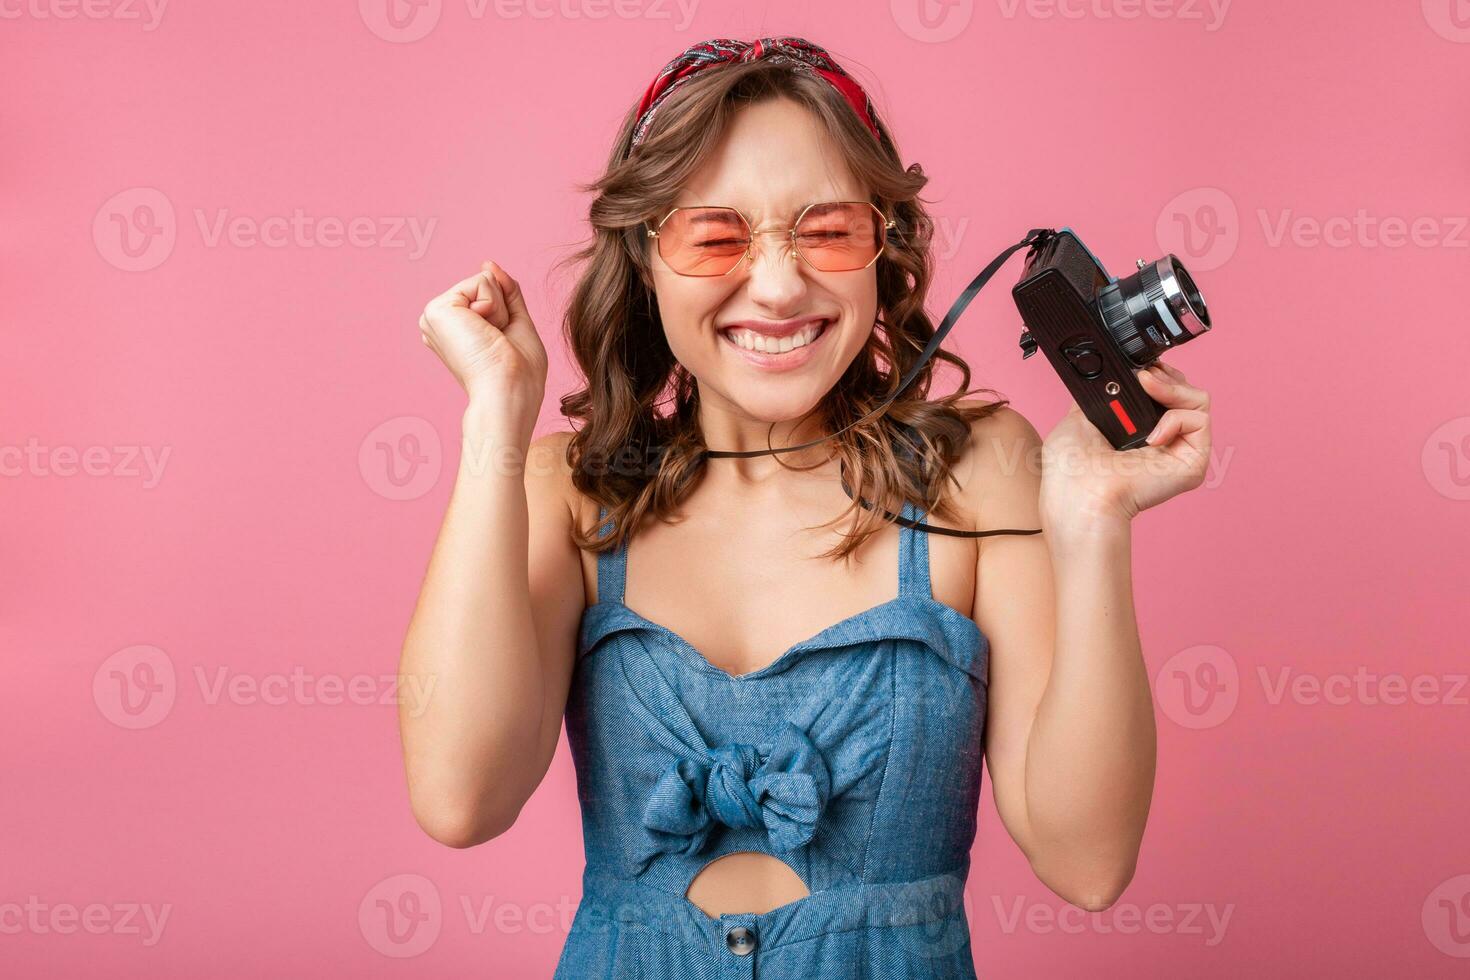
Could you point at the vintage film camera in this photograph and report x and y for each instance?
(1097, 330)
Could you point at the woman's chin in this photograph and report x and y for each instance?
(760, 403)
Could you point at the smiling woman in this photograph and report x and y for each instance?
(778, 755)
(752, 204)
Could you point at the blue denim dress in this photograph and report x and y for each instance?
(855, 757)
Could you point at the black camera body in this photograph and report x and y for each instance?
(1097, 330)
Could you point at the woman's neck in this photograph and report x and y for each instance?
(732, 432)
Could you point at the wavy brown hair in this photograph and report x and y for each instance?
(639, 448)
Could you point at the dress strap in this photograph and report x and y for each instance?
(913, 557)
(612, 566)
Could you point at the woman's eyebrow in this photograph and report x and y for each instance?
(815, 207)
(819, 205)
(710, 217)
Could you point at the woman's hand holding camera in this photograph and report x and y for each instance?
(481, 330)
(1085, 479)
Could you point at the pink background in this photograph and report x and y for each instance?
(1329, 542)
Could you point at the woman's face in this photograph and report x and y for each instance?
(772, 162)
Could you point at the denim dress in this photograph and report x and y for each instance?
(854, 757)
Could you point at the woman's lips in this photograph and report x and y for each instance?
(789, 361)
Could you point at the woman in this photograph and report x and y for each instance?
(757, 281)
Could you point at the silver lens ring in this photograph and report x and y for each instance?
(1183, 299)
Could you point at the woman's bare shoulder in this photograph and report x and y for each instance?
(999, 473)
(549, 475)
(547, 469)
(1003, 427)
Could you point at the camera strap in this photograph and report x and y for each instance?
(1033, 237)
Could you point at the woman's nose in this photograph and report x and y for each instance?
(774, 270)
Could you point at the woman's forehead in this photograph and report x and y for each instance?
(778, 214)
(770, 201)
(775, 184)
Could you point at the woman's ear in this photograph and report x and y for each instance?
(639, 256)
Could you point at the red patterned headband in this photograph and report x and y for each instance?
(720, 51)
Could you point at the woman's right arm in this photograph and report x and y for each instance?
(491, 641)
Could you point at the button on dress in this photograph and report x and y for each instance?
(854, 757)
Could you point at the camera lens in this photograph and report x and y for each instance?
(1189, 292)
(1156, 308)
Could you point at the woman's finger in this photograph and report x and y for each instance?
(1173, 394)
(510, 290)
(1172, 371)
(1178, 422)
(462, 294)
(495, 309)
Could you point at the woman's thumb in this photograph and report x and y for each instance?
(515, 303)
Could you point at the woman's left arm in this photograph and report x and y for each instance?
(1070, 740)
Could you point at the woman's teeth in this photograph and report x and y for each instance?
(751, 340)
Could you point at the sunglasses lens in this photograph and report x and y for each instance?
(703, 241)
(840, 237)
(711, 241)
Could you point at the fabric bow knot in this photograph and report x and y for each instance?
(782, 786)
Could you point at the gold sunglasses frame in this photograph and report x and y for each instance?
(888, 225)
